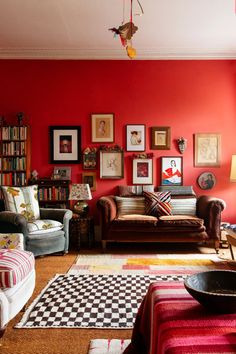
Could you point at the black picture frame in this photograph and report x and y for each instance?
(65, 144)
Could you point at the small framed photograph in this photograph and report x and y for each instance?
(171, 171)
(206, 180)
(90, 179)
(65, 144)
(90, 161)
(142, 171)
(111, 164)
(160, 138)
(62, 173)
(207, 150)
(102, 128)
(135, 137)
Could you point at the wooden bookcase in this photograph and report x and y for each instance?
(53, 193)
(15, 155)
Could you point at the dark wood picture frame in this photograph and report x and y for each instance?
(111, 164)
(65, 144)
(90, 179)
(160, 138)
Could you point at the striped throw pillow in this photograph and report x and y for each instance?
(128, 206)
(157, 203)
(15, 265)
(183, 206)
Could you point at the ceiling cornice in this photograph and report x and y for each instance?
(118, 54)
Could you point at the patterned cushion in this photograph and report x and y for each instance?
(22, 200)
(43, 226)
(15, 265)
(157, 203)
(12, 241)
(128, 206)
(183, 206)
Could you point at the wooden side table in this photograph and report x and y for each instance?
(82, 226)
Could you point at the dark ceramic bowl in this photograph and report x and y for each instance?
(215, 290)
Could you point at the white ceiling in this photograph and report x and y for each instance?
(78, 29)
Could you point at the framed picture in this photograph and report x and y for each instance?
(111, 164)
(90, 161)
(65, 144)
(135, 137)
(160, 138)
(90, 179)
(102, 128)
(142, 171)
(171, 171)
(206, 180)
(62, 173)
(207, 150)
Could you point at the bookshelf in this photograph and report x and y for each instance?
(15, 155)
(53, 193)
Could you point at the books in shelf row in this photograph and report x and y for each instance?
(53, 193)
(14, 133)
(14, 148)
(13, 163)
(13, 179)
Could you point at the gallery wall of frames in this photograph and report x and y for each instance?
(109, 123)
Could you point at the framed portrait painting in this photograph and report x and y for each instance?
(135, 137)
(111, 164)
(206, 180)
(102, 128)
(160, 138)
(171, 171)
(90, 179)
(142, 171)
(207, 150)
(65, 144)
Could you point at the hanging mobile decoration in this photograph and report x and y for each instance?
(127, 30)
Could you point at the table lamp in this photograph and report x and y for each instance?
(81, 193)
(233, 169)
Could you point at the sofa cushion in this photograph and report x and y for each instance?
(157, 203)
(43, 226)
(181, 220)
(183, 206)
(136, 219)
(126, 206)
(22, 200)
(11, 241)
(128, 191)
(15, 265)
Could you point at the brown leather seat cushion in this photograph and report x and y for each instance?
(135, 219)
(181, 221)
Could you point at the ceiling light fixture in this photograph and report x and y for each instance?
(127, 30)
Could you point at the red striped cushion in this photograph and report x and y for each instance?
(15, 265)
(157, 203)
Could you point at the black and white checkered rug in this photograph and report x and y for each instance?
(90, 301)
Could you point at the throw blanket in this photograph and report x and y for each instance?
(171, 321)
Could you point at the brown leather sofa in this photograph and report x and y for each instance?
(204, 226)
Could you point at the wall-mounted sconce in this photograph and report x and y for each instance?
(182, 144)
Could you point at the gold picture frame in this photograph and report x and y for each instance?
(207, 150)
(103, 128)
(111, 164)
(160, 138)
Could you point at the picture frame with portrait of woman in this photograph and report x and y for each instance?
(102, 126)
(135, 137)
(171, 171)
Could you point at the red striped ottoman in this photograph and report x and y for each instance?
(15, 265)
(170, 321)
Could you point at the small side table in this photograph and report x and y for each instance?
(82, 226)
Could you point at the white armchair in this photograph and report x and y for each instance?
(17, 277)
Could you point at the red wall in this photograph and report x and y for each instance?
(189, 96)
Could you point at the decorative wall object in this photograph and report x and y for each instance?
(171, 171)
(65, 144)
(206, 180)
(160, 138)
(182, 144)
(62, 173)
(135, 137)
(102, 128)
(90, 179)
(142, 171)
(111, 163)
(207, 150)
(90, 158)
